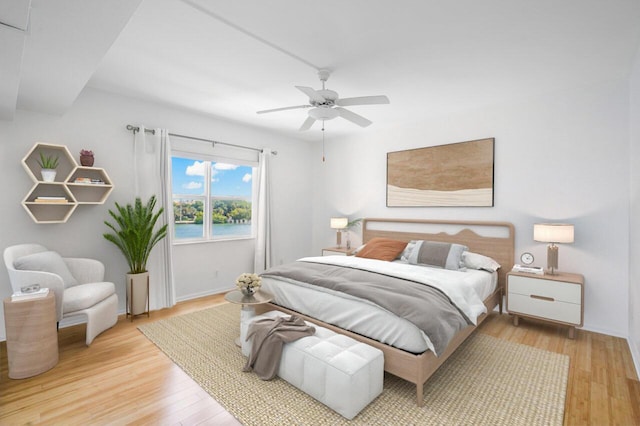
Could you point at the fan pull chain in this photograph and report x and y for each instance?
(323, 141)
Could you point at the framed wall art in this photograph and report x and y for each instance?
(458, 174)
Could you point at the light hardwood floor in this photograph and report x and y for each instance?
(122, 378)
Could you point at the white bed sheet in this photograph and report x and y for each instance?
(368, 319)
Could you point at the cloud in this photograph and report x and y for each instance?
(246, 177)
(196, 169)
(224, 166)
(192, 185)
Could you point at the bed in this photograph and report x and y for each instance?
(409, 360)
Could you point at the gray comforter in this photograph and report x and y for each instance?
(426, 307)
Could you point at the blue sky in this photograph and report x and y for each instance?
(227, 179)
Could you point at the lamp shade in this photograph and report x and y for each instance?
(339, 222)
(553, 232)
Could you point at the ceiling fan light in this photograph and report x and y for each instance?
(323, 113)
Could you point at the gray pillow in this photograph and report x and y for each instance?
(46, 261)
(437, 254)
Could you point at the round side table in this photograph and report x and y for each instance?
(32, 336)
(247, 312)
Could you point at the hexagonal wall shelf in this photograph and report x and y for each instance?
(54, 202)
(65, 161)
(89, 185)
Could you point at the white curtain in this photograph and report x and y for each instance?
(263, 254)
(152, 167)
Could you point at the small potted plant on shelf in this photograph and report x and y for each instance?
(86, 158)
(134, 235)
(48, 165)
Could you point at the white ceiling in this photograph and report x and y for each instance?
(232, 58)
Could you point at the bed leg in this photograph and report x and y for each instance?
(419, 395)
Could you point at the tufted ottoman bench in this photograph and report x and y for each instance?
(338, 371)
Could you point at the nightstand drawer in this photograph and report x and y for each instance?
(556, 310)
(557, 290)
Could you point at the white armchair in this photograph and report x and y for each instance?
(76, 282)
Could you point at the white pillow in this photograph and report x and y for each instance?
(46, 261)
(407, 250)
(477, 261)
(356, 251)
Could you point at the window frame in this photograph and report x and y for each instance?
(208, 197)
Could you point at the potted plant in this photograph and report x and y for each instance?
(352, 224)
(134, 234)
(48, 165)
(86, 158)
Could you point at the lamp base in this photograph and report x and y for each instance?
(552, 259)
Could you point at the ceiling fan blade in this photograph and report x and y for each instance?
(283, 109)
(353, 117)
(307, 124)
(363, 100)
(312, 94)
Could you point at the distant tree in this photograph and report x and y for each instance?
(218, 218)
(199, 218)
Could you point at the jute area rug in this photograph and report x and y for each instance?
(487, 381)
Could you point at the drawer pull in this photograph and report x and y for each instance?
(548, 299)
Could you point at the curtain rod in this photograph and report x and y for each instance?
(135, 129)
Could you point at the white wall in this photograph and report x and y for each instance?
(97, 121)
(634, 231)
(563, 157)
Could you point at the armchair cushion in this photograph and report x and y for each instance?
(85, 270)
(47, 261)
(85, 296)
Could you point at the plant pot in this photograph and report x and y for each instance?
(138, 294)
(86, 160)
(48, 175)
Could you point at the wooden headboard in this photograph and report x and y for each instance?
(493, 239)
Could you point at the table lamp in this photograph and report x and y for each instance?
(339, 223)
(553, 233)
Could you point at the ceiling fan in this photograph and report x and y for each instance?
(325, 104)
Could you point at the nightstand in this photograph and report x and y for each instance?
(554, 298)
(337, 251)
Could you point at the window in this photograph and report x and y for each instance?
(212, 198)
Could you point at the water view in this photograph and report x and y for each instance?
(220, 230)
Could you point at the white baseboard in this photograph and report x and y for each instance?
(202, 294)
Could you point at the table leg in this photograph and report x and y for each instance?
(246, 314)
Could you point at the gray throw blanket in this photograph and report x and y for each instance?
(269, 335)
(426, 307)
